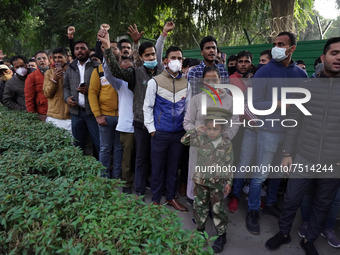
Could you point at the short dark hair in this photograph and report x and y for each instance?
(300, 62)
(144, 46)
(40, 51)
(267, 52)
(208, 69)
(60, 50)
(124, 40)
(172, 48)
(245, 53)
(15, 58)
(292, 37)
(194, 62)
(317, 61)
(81, 41)
(31, 60)
(329, 42)
(206, 39)
(232, 58)
(186, 62)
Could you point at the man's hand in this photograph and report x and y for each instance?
(201, 130)
(168, 27)
(287, 163)
(105, 26)
(152, 134)
(227, 189)
(104, 37)
(58, 74)
(101, 120)
(70, 102)
(134, 34)
(83, 90)
(70, 32)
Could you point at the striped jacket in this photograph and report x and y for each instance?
(164, 104)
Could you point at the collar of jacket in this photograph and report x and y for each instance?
(74, 66)
(323, 75)
(148, 71)
(291, 64)
(168, 75)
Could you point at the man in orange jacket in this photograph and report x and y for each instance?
(34, 95)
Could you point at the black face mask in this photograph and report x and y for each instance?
(259, 66)
(231, 70)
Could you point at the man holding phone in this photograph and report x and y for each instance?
(58, 111)
(76, 84)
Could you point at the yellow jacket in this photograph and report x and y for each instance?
(103, 98)
(57, 108)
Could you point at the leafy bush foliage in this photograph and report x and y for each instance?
(53, 201)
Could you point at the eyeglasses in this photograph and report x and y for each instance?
(41, 58)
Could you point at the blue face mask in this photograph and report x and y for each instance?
(150, 64)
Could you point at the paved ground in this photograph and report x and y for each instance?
(241, 242)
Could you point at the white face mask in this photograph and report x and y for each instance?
(175, 65)
(279, 54)
(21, 71)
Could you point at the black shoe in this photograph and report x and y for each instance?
(308, 247)
(193, 220)
(272, 210)
(190, 202)
(127, 190)
(252, 222)
(219, 243)
(275, 242)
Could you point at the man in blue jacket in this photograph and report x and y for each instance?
(164, 108)
(273, 75)
(314, 146)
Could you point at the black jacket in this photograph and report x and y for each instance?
(317, 137)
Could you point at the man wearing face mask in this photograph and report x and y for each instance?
(231, 64)
(270, 134)
(137, 78)
(164, 108)
(36, 101)
(14, 94)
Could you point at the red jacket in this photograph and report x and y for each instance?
(236, 79)
(34, 95)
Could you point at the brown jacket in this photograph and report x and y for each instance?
(57, 108)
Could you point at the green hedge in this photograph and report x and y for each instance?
(53, 201)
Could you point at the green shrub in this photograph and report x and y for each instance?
(53, 201)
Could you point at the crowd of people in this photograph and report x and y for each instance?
(154, 120)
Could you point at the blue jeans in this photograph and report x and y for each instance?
(307, 208)
(248, 152)
(110, 142)
(83, 124)
(267, 145)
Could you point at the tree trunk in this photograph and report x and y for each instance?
(282, 16)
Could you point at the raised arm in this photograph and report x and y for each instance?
(70, 35)
(168, 27)
(135, 36)
(124, 74)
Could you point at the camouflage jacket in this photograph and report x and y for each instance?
(214, 164)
